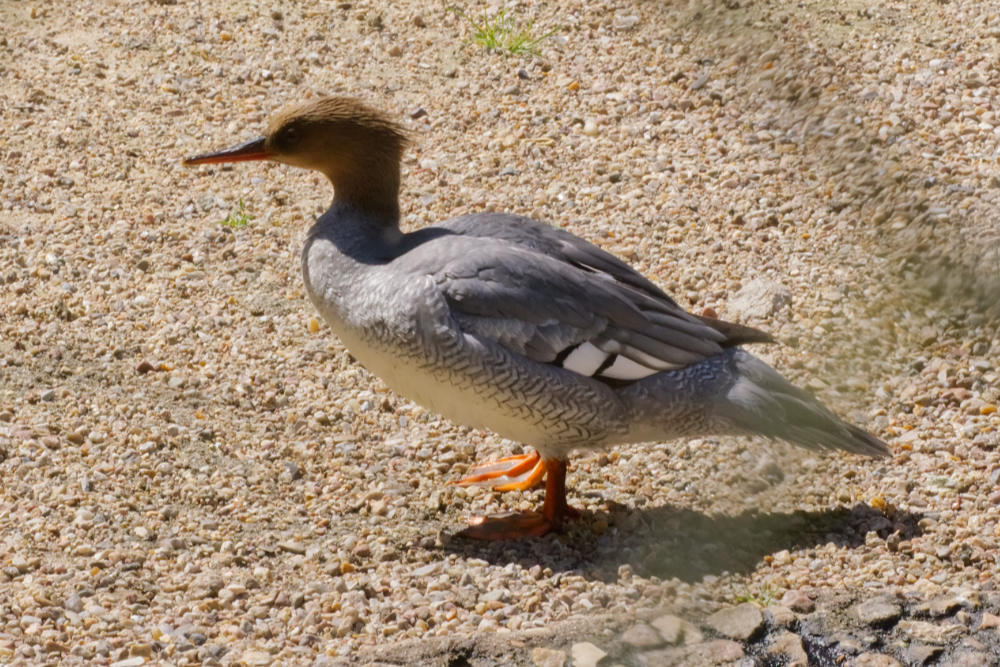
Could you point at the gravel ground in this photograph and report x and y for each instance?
(196, 471)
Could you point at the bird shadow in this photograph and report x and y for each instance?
(671, 542)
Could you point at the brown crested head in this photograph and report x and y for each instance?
(334, 135)
(358, 148)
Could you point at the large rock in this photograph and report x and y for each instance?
(788, 645)
(586, 654)
(932, 633)
(741, 622)
(760, 299)
(878, 612)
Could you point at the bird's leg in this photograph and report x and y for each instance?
(555, 511)
(555, 508)
(513, 473)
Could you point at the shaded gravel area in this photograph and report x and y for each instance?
(195, 471)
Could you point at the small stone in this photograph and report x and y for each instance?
(931, 633)
(206, 586)
(586, 654)
(395, 51)
(788, 645)
(418, 112)
(798, 601)
(831, 294)
(760, 299)
(590, 127)
(779, 616)
(944, 606)
(642, 636)
(141, 649)
(921, 654)
(48, 395)
(143, 367)
(626, 21)
(716, 652)
(52, 646)
(989, 621)
(700, 82)
(292, 471)
(293, 547)
(875, 660)
(134, 661)
(969, 659)
(256, 658)
(741, 622)
(548, 657)
(879, 612)
(670, 627)
(73, 603)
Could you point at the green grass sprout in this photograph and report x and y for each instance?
(503, 34)
(237, 218)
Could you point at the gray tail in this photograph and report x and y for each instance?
(761, 401)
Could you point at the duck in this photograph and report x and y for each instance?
(499, 321)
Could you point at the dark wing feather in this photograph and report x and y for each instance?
(556, 298)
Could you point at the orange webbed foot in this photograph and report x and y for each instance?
(510, 526)
(517, 525)
(512, 473)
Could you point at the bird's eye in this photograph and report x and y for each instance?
(289, 137)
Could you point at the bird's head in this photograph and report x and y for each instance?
(358, 148)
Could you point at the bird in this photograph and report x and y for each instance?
(499, 321)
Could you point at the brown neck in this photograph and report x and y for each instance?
(373, 191)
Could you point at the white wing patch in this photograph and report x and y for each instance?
(624, 368)
(585, 359)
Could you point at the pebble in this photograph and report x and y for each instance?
(878, 612)
(989, 621)
(876, 660)
(292, 546)
(760, 299)
(780, 616)
(548, 657)
(256, 658)
(788, 645)
(670, 627)
(642, 636)
(73, 603)
(921, 654)
(798, 601)
(931, 633)
(586, 654)
(134, 661)
(740, 622)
